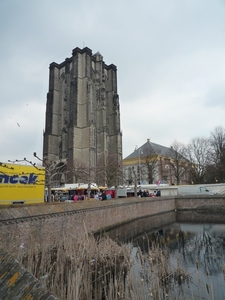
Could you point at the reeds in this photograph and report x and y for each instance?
(77, 266)
(159, 276)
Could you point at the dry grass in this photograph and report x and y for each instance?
(80, 267)
(77, 266)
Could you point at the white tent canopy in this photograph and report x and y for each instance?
(72, 185)
(93, 186)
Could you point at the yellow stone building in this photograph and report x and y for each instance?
(153, 163)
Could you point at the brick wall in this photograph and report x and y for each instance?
(51, 221)
(203, 203)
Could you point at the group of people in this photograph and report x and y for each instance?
(146, 193)
(78, 197)
(101, 195)
(72, 195)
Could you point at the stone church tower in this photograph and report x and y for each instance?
(82, 113)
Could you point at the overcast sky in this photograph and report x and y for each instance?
(170, 58)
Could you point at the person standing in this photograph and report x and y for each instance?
(103, 196)
(75, 198)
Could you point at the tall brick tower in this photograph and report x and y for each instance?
(82, 112)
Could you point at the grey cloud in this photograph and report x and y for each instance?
(169, 53)
(216, 96)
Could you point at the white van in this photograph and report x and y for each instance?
(184, 190)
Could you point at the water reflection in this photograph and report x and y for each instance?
(197, 250)
(206, 243)
(129, 230)
(200, 250)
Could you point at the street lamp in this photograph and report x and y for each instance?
(48, 169)
(139, 162)
(135, 182)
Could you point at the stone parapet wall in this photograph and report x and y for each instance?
(201, 203)
(18, 223)
(51, 221)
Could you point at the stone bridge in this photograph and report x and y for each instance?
(50, 221)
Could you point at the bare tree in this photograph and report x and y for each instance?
(217, 141)
(150, 165)
(80, 172)
(134, 175)
(108, 172)
(114, 174)
(177, 161)
(198, 154)
(52, 169)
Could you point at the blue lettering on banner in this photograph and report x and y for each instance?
(14, 179)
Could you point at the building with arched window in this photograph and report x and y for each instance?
(83, 115)
(153, 163)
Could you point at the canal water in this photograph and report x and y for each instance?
(176, 260)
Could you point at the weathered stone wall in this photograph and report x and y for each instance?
(83, 112)
(200, 209)
(18, 224)
(201, 203)
(51, 221)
